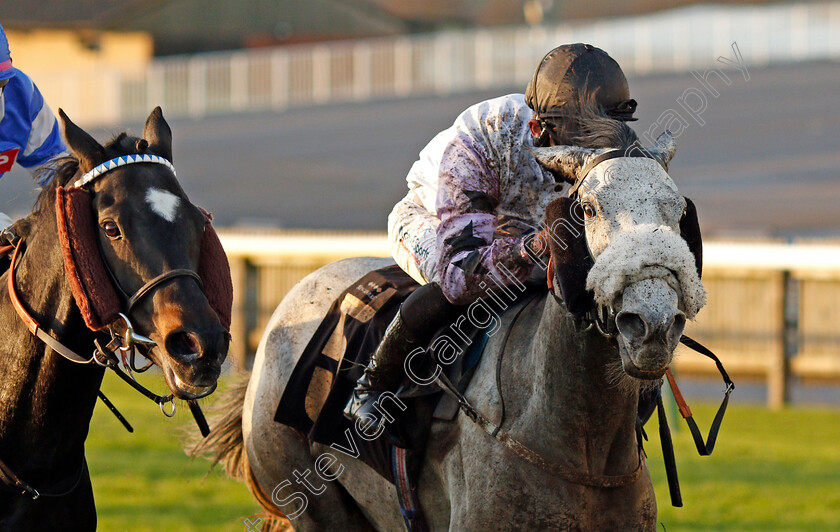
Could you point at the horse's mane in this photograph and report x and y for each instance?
(587, 125)
(62, 170)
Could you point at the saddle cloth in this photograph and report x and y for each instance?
(326, 374)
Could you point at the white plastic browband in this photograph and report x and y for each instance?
(121, 161)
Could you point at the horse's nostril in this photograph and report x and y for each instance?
(183, 343)
(631, 325)
(676, 329)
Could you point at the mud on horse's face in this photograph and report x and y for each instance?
(145, 227)
(632, 255)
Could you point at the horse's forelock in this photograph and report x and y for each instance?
(122, 144)
(597, 130)
(585, 124)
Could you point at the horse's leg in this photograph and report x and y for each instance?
(283, 465)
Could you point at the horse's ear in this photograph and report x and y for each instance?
(564, 161)
(89, 152)
(157, 133)
(664, 149)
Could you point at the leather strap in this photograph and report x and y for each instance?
(705, 448)
(200, 420)
(519, 449)
(526, 301)
(162, 278)
(30, 322)
(107, 402)
(64, 487)
(668, 455)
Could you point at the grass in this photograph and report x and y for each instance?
(144, 481)
(776, 471)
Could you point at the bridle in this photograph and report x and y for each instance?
(123, 338)
(495, 430)
(129, 339)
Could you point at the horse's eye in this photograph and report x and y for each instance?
(588, 210)
(112, 230)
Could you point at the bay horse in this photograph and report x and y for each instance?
(113, 245)
(561, 384)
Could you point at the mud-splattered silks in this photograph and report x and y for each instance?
(504, 197)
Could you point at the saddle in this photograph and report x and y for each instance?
(326, 374)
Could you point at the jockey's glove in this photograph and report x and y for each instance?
(534, 246)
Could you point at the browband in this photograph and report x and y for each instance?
(121, 161)
(632, 151)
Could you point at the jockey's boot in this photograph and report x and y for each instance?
(384, 373)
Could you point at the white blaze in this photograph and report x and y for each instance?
(163, 203)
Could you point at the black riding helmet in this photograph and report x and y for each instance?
(567, 70)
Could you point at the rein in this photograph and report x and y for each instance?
(103, 356)
(523, 451)
(704, 448)
(16, 485)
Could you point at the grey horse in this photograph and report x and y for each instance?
(570, 393)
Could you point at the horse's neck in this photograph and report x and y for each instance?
(46, 402)
(579, 416)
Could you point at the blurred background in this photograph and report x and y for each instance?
(295, 123)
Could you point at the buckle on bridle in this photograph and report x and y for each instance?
(600, 317)
(105, 356)
(127, 340)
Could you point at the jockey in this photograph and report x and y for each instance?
(475, 195)
(29, 132)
